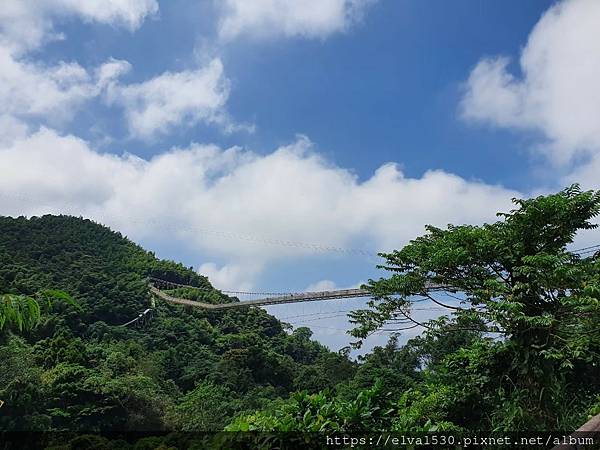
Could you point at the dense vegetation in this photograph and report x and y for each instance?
(520, 351)
(185, 369)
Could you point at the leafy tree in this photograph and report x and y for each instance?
(517, 280)
(21, 388)
(23, 312)
(208, 407)
(396, 367)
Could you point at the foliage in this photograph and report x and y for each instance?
(520, 349)
(79, 369)
(24, 312)
(206, 408)
(370, 410)
(517, 280)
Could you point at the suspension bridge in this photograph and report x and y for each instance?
(278, 298)
(268, 299)
(287, 298)
(275, 299)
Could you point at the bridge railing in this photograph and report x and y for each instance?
(291, 298)
(274, 300)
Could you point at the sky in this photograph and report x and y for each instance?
(278, 145)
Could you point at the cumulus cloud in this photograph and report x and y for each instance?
(193, 194)
(239, 276)
(308, 18)
(154, 107)
(55, 91)
(585, 174)
(173, 98)
(27, 25)
(52, 93)
(11, 129)
(322, 285)
(129, 13)
(557, 92)
(329, 285)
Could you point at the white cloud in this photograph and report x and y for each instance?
(128, 13)
(308, 18)
(173, 98)
(558, 92)
(239, 276)
(110, 71)
(586, 174)
(25, 25)
(323, 285)
(11, 129)
(291, 194)
(329, 285)
(53, 92)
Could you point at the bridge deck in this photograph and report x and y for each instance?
(292, 298)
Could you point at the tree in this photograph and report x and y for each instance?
(24, 312)
(208, 407)
(514, 279)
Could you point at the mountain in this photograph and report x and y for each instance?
(184, 369)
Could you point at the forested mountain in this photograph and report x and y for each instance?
(185, 369)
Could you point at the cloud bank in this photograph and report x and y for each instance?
(291, 194)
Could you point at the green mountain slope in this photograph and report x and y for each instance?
(185, 369)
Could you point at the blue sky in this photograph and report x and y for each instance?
(386, 90)
(213, 131)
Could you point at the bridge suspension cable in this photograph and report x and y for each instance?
(140, 318)
(278, 299)
(225, 291)
(288, 298)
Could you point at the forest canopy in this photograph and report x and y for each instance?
(80, 369)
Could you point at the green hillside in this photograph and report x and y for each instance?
(185, 369)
